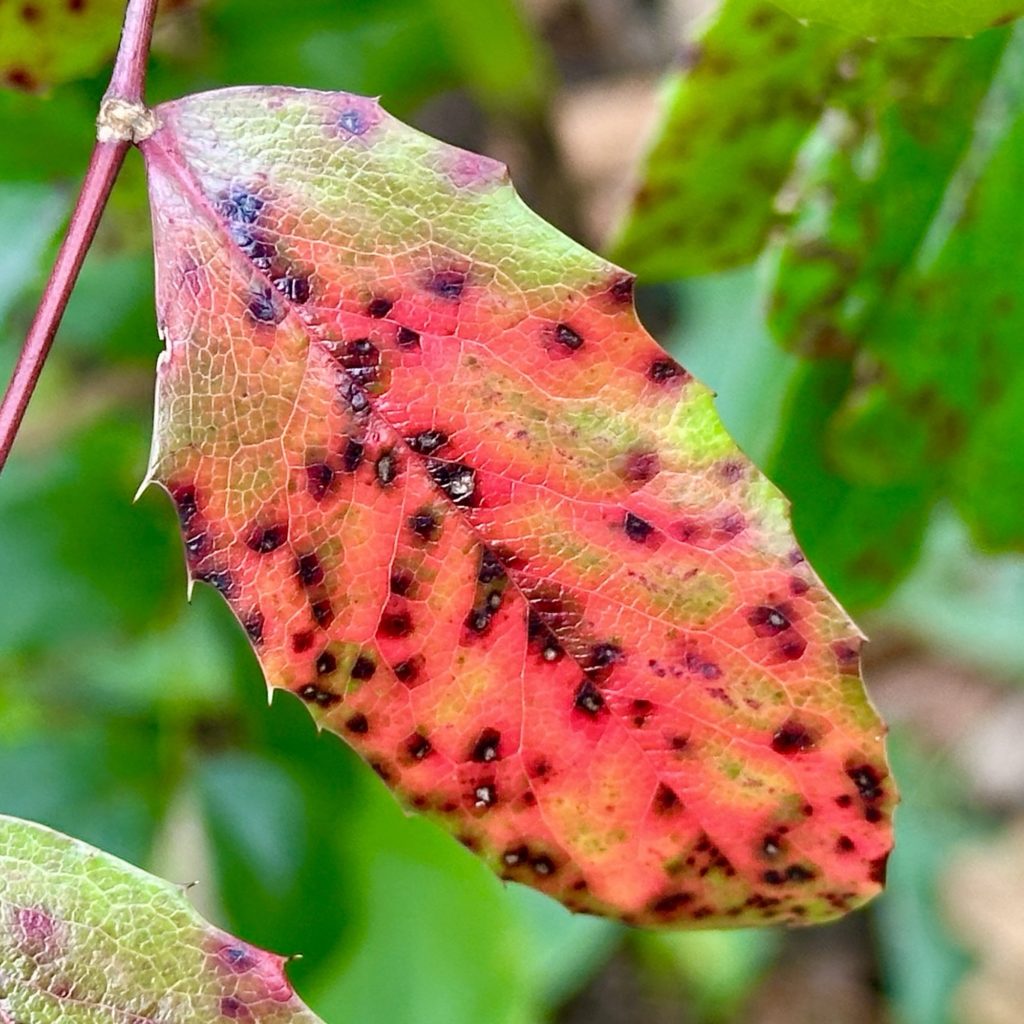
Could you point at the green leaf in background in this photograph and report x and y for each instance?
(81, 930)
(871, 183)
(753, 86)
(862, 539)
(907, 17)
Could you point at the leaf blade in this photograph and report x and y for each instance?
(488, 530)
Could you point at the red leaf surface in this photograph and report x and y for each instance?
(492, 534)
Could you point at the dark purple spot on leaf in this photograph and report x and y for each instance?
(294, 287)
(358, 724)
(486, 747)
(318, 479)
(792, 738)
(265, 308)
(588, 698)
(363, 668)
(425, 524)
(457, 480)
(767, 620)
(264, 539)
(407, 337)
(662, 370)
(447, 284)
(353, 122)
(426, 442)
(396, 624)
(417, 746)
(379, 308)
(867, 780)
(567, 337)
(665, 800)
(309, 570)
(386, 468)
(637, 529)
(253, 624)
(326, 664)
(323, 613)
(313, 694)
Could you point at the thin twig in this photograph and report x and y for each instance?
(126, 84)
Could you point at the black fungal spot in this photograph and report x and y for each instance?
(313, 694)
(679, 742)
(417, 746)
(264, 308)
(253, 623)
(844, 800)
(358, 724)
(319, 477)
(407, 337)
(309, 570)
(426, 442)
(867, 780)
(323, 613)
(401, 582)
(326, 664)
(771, 845)
(486, 748)
(662, 370)
(197, 545)
(425, 523)
(447, 284)
(515, 856)
(352, 456)
(264, 539)
(768, 621)
(294, 287)
(799, 873)
(601, 659)
(666, 800)
(240, 206)
(670, 904)
(872, 815)
(773, 877)
(479, 620)
(219, 579)
(408, 671)
(588, 699)
(637, 529)
(642, 710)
(792, 738)
(485, 795)
(877, 867)
(456, 479)
(379, 308)
(352, 393)
(396, 624)
(302, 642)
(491, 570)
(363, 668)
(844, 844)
(567, 337)
(386, 468)
(353, 122)
(257, 250)
(543, 865)
(361, 358)
(622, 288)
(188, 508)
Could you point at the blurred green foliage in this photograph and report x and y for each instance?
(879, 182)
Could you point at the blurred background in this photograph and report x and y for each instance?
(828, 231)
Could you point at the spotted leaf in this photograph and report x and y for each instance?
(928, 18)
(46, 42)
(751, 87)
(85, 937)
(474, 517)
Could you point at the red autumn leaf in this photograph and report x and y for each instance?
(473, 516)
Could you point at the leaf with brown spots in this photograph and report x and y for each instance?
(85, 937)
(877, 18)
(46, 42)
(751, 87)
(489, 531)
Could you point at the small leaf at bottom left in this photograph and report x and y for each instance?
(85, 938)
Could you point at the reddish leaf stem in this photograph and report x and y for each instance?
(126, 84)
